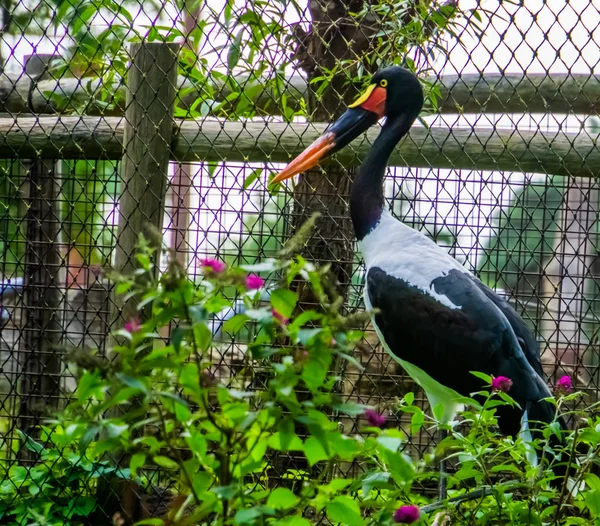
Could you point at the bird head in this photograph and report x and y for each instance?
(394, 93)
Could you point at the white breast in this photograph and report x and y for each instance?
(404, 253)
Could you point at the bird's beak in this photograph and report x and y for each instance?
(360, 116)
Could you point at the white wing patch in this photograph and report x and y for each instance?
(404, 253)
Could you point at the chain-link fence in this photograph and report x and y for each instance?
(101, 135)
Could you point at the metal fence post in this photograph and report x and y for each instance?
(40, 359)
(151, 83)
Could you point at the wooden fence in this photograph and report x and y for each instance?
(146, 136)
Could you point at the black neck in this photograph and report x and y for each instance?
(366, 196)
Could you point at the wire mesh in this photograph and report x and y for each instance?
(502, 176)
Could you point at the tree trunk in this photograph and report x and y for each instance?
(329, 41)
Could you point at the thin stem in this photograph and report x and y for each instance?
(224, 473)
(443, 485)
(582, 471)
(485, 491)
(565, 479)
(176, 456)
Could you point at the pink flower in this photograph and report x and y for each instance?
(280, 318)
(374, 418)
(133, 325)
(254, 282)
(213, 265)
(564, 385)
(501, 383)
(407, 514)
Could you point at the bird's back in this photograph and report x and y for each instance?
(434, 314)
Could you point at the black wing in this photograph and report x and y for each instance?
(524, 335)
(450, 343)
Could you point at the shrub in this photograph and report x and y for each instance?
(262, 445)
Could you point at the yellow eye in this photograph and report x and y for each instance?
(383, 83)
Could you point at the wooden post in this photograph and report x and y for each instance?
(151, 82)
(41, 324)
(147, 140)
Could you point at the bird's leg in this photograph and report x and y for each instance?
(442, 488)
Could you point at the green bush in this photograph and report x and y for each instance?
(263, 445)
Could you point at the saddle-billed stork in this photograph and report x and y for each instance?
(432, 315)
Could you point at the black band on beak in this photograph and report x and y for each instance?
(348, 127)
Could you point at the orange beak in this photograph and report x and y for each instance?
(360, 116)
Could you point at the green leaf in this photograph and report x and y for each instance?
(225, 492)
(189, 376)
(88, 385)
(343, 446)
(238, 394)
(592, 500)
(314, 451)
(305, 336)
(134, 383)
(196, 442)
(235, 50)
(593, 481)
(235, 324)
(589, 436)
(416, 422)
(18, 475)
(82, 506)
(350, 408)
(252, 177)
(286, 438)
(197, 314)
(344, 510)
(505, 467)
(400, 466)
(202, 481)
(294, 520)
(284, 301)
(202, 336)
(228, 11)
(88, 435)
(376, 479)
(268, 265)
(392, 444)
(249, 515)
(334, 486)
(115, 430)
(314, 372)
(212, 168)
(137, 461)
(282, 499)
(482, 376)
(30, 444)
(165, 462)
(177, 336)
(305, 317)
(444, 401)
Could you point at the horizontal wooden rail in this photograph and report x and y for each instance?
(472, 93)
(558, 153)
